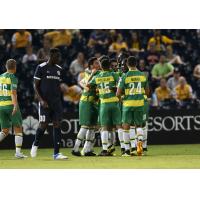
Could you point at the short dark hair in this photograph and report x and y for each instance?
(91, 61)
(54, 51)
(132, 61)
(10, 64)
(103, 57)
(105, 63)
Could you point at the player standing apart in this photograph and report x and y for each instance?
(48, 87)
(9, 110)
(133, 84)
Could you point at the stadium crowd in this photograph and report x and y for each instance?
(171, 58)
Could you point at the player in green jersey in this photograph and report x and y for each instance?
(109, 114)
(88, 112)
(9, 110)
(132, 85)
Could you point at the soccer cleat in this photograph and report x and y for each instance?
(111, 149)
(139, 148)
(104, 153)
(59, 156)
(133, 152)
(90, 153)
(144, 152)
(76, 153)
(34, 151)
(20, 155)
(126, 153)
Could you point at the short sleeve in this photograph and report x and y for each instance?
(14, 83)
(38, 73)
(170, 67)
(121, 82)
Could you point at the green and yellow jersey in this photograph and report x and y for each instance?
(8, 82)
(106, 82)
(133, 84)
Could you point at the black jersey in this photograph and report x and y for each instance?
(50, 77)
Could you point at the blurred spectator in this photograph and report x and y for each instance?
(162, 69)
(162, 92)
(152, 55)
(174, 81)
(183, 90)
(20, 40)
(43, 53)
(135, 42)
(196, 72)
(118, 44)
(59, 38)
(161, 41)
(173, 58)
(29, 56)
(142, 66)
(77, 65)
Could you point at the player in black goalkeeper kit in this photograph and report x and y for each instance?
(48, 87)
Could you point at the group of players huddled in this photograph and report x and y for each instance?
(114, 99)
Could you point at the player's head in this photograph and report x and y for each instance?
(93, 63)
(113, 64)
(103, 57)
(11, 65)
(55, 55)
(105, 64)
(132, 62)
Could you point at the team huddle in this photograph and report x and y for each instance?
(117, 102)
(114, 99)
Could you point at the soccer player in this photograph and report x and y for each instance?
(88, 112)
(48, 86)
(109, 114)
(132, 84)
(9, 110)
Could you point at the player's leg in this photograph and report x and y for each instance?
(111, 140)
(5, 124)
(145, 127)
(133, 140)
(17, 125)
(43, 123)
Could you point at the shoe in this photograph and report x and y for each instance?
(59, 156)
(111, 149)
(126, 153)
(139, 148)
(76, 153)
(122, 151)
(34, 151)
(20, 155)
(133, 152)
(90, 153)
(104, 153)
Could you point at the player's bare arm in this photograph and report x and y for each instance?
(14, 101)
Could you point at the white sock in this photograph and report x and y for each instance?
(126, 139)
(80, 137)
(104, 140)
(18, 143)
(140, 134)
(92, 139)
(145, 131)
(110, 139)
(2, 136)
(87, 145)
(132, 137)
(121, 138)
(113, 138)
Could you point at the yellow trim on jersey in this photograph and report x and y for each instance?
(4, 80)
(2, 93)
(87, 98)
(5, 103)
(134, 91)
(110, 100)
(104, 79)
(134, 103)
(104, 91)
(132, 79)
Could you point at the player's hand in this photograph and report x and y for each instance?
(14, 110)
(44, 104)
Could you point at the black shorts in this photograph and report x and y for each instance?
(50, 114)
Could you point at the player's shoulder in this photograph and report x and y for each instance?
(58, 66)
(42, 65)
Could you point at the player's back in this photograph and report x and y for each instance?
(135, 83)
(8, 81)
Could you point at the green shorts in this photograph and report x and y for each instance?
(110, 114)
(133, 116)
(146, 112)
(7, 120)
(88, 113)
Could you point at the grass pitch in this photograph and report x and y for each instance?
(159, 156)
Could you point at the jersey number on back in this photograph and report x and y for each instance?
(3, 89)
(136, 88)
(105, 87)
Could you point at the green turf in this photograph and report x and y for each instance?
(159, 156)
